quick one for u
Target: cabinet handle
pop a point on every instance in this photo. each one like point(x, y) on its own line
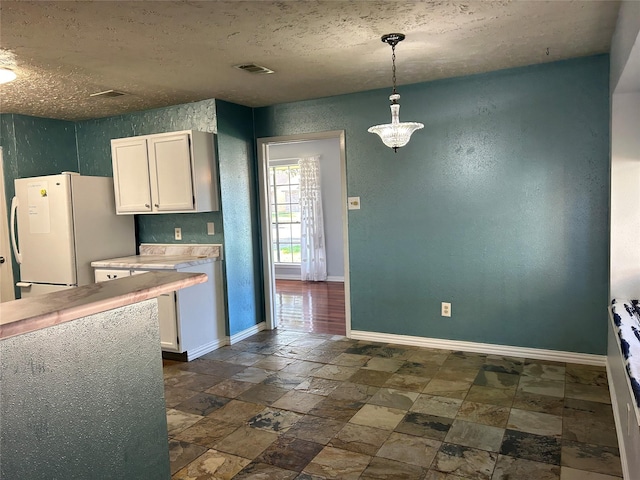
point(156, 205)
point(147, 205)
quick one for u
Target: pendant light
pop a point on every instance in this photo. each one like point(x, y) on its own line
point(395, 134)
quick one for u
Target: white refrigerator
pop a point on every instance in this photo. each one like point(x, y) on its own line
point(64, 222)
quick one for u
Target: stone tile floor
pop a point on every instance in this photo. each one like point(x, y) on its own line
point(288, 405)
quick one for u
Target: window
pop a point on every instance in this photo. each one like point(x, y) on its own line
point(284, 186)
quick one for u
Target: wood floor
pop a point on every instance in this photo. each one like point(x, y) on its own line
point(316, 307)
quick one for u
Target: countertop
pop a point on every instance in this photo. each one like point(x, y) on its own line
point(30, 314)
point(153, 262)
point(165, 257)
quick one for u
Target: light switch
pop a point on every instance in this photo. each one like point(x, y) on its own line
point(210, 228)
point(354, 203)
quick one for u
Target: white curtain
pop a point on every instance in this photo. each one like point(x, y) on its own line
point(313, 266)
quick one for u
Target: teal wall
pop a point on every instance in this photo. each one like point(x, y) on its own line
point(235, 226)
point(499, 206)
point(36, 146)
point(31, 147)
point(238, 187)
point(84, 399)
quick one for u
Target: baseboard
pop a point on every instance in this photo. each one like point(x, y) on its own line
point(284, 276)
point(491, 349)
point(236, 337)
point(331, 278)
point(206, 348)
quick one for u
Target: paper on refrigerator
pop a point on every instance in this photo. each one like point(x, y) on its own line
point(38, 207)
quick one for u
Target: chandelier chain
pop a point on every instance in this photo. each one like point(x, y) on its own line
point(393, 68)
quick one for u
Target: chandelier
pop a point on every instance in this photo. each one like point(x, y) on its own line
point(395, 134)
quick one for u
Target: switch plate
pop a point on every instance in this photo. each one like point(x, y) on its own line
point(354, 203)
point(210, 228)
point(446, 309)
point(178, 233)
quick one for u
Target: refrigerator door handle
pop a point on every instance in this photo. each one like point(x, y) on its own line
point(14, 243)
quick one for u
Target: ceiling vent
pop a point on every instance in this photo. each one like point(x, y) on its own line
point(108, 94)
point(253, 68)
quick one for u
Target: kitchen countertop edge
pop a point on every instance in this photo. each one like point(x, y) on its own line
point(22, 316)
point(153, 262)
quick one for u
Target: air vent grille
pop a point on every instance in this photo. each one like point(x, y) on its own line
point(253, 68)
point(108, 94)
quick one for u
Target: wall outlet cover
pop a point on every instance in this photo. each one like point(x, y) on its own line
point(210, 228)
point(354, 203)
point(178, 233)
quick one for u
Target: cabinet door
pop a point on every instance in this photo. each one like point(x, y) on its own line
point(170, 169)
point(104, 274)
point(131, 175)
point(168, 322)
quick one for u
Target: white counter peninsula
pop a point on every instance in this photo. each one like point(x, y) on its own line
point(81, 392)
point(193, 320)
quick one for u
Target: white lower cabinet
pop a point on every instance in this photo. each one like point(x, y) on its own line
point(192, 320)
point(104, 274)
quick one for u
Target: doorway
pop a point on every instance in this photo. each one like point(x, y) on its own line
point(304, 306)
point(6, 268)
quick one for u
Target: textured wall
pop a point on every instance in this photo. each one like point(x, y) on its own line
point(8, 144)
point(94, 153)
point(33, 147)
point(58, 422)
point(236, 149)
point(500, 205)
point(36, 146)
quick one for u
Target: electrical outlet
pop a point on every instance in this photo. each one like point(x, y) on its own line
point(178, 233)
point(210, 228)
point(446, 309)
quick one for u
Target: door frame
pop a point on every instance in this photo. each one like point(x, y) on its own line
point(7, 291)
point(265, 222)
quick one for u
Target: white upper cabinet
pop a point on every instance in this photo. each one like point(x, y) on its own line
point(165, 173)
point(131, 175)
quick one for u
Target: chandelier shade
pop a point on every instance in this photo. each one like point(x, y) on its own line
point(395, 134)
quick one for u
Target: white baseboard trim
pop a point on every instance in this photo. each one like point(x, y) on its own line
point(280, 276)
point(236, 337)
point(491, 349)
point(206, 348)
point(283, 276)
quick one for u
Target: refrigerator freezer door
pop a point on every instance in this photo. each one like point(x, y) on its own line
point(33, 289)
point(99, 233)
point(45, 230)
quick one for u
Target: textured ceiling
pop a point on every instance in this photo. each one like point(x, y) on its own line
point(168, 52)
